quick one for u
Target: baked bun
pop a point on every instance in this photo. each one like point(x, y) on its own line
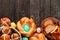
point(37, 36)
point(26, 26)
point(51, 28)
point(5, 21)
point(15, 36)
point(5, 37)
point(6, 30)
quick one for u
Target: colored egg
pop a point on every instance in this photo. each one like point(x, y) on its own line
point(13, 25)
point(26, 27)
point(24, 38)
point(38, 30)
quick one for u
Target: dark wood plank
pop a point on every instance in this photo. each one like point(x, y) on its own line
point(44, 9)
point(12, 10)
point(54, 8)
point(41, 10)
point(58, 8)
point(7, 9)
point(35, 10)
point(22, 8)
point(1, 1)
point(4, 8)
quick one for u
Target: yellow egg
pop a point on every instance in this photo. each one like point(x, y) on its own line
point(13, 25)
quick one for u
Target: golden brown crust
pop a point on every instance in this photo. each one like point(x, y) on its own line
point(51, 25)
point(5, 37)
point(15, 36)
point(6, 30)
point(49, 20)
point(37, 36)
point(23, 21)
point(5, 21)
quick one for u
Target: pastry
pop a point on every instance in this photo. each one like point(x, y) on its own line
point(51, 28)
point(5, 21)
point(5, 37)
point(15, 36)
point(26, 26)
point(6, 30)
point(37, 36)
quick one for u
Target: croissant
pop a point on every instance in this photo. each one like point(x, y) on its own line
point(26, 26)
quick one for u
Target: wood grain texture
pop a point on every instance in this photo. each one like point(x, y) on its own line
point(7, 9)
point(22, 9)
point(45, 9)
point(36, 9)
point(54, 8)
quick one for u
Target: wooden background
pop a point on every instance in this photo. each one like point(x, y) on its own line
point(36, 9)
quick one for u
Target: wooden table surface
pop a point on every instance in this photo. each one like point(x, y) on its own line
point(36, 9)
